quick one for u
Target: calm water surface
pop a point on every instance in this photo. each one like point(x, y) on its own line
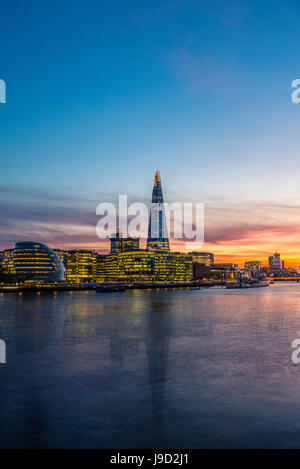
point(164, 369)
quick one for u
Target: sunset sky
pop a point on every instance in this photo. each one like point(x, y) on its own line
point(101, 94)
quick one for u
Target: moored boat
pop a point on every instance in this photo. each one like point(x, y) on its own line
point(253, 283)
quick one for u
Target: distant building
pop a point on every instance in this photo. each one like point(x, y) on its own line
point(37, 262)
point(205, 258)
point(218, 272)
point(224, 272)
point(253, 266)
point(282, 265)
point(226, 265)
point(201, 271)
point(81, 266)
point(148, 266)
point(157, 239)
point(120, 244)
point(274, 261)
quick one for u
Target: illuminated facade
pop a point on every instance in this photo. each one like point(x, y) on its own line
point(7, 263)
point(253, 266)
point(81, 266)
point(224, 272)
point(37, 262)
point(120, 244)
point(157, 231)
point(274, 261)
point(205, 258)
point(148, 266)
point(100, 269)
point(63, 255)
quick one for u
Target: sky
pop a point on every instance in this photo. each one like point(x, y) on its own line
point(101, 94)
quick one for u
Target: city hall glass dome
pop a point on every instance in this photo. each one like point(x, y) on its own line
point(36, 261)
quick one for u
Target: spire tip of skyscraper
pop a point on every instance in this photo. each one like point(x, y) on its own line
point(157, 177)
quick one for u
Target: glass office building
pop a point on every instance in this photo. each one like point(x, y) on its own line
point(7, 261)
point(205, 258)
point(148, 266)
point(157, 231)
point(81, 266)
point(274, 261)
point(252, 266)
point(37, 262)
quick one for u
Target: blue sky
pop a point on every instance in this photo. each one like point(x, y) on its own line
point(101, 94)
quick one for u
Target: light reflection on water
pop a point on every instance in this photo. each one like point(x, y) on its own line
point(194, 369)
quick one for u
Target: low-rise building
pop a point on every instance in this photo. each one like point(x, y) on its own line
point(148, 266)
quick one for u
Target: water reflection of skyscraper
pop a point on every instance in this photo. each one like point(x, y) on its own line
point(157, 349)
point(145, 328)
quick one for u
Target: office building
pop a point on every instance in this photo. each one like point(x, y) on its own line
point(158, 238)
point(148, 266)
point(252, 266)
point(99, 275)
point(36, 262)
point(63, 255)
point(81, 266)
point(274, 261)
point(120, 244)
point(226, 265)
point(205, 258)
point(6, 261)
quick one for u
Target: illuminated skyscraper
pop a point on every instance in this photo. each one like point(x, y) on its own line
point(274, 261)
point(158, 239)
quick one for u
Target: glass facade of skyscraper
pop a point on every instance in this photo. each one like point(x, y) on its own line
point(157, 231)
point(274, 261)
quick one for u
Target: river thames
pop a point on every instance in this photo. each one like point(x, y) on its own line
point(206, 368)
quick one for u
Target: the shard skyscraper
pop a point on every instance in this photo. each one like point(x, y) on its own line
point(158, 238)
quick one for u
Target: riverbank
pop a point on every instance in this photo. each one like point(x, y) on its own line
point(94, 286)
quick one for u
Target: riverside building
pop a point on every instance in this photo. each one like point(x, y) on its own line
point(36, 262)
point(120, 244)
point(81, 266)
point(158, 239)
point(148, 266)
point(205, 258)
point(252, 266)
point(7, 262)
